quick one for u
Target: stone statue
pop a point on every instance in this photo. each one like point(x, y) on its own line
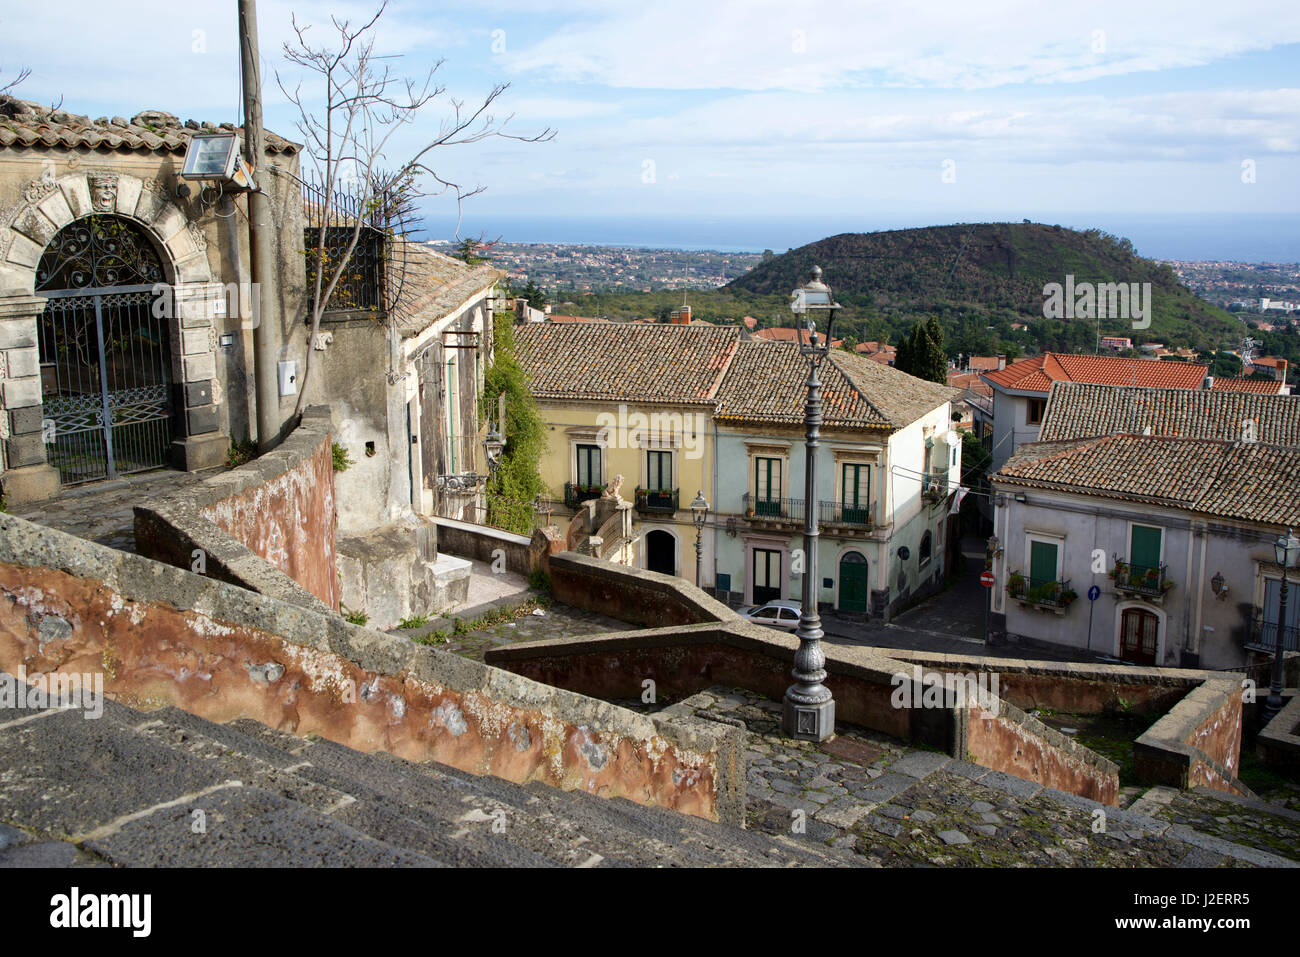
point(611, 490)
point(103, 191)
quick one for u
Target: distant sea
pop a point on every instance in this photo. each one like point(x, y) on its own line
point(1213, 236)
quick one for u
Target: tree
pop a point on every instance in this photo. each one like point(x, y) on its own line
point(364, 106)
point(921, 353)
point(534, 294)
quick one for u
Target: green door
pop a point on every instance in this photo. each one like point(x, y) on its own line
point(855, 490)
point(854, 589)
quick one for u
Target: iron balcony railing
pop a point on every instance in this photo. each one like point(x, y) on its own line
point(839, 513)
point(1262, 636)
point(1141, 579)
point(773, 509)
point(1039, 591)
point(662, 500)
point(575, 494)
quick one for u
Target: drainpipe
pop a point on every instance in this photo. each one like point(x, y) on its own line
point(261, 254)
point(715, 504)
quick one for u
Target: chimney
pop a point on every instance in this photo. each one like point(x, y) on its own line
point(1002, 362)
point(1207, 382)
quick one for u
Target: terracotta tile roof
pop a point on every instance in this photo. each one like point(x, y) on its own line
point(1272, 362)
point(1078, 410)
point(433, 285)
point(1262, 386)
point(787, 334)
point(554, 318)
point(767, 383)
point(983, 363)
point(625, 361)
point(1250, 481)
point(1038, 374)
point(970, 381)
point(24, 123)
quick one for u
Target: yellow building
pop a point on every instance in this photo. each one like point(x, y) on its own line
point(635, 401)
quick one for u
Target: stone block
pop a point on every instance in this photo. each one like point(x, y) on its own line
point(76, 194)
point(202, 420)
point(194, 269)
point(170, 222)
point(149, 207)
point(35, 483)
point(195, 341)
point(197, 393)
point(24, 450)
point(35, 227)
point(200, 368)
point(18, 333)
point(21, 363)
point(25, 420)
point(24, 252)
point(200, 452)
point(55, 207)
point(20, 393)
point(129, 190)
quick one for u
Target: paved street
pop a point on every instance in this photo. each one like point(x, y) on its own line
point(102, 511)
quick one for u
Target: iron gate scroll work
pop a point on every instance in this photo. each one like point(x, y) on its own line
point(105, 355)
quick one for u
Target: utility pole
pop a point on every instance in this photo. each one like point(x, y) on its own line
point(261, 255)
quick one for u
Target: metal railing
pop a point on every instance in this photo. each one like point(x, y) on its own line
point(773, 509)
point(1262, 636)
point(575, 494)
point(1040, 591)
point(838, 513)
point(1141, 579)
point(506, 514)
point(663, 500)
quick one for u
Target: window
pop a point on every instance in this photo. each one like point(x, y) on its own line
point(766, 613)
point(1144, 549)
point(588, 465)
point(1272, 606)
point(927, 548)
point(767, 486)
point(659, 471)
point(361, 285)
point(855, 490)
point(1042, 563)
point(1034, 411)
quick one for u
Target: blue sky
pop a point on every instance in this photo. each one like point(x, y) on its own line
point(844, 114)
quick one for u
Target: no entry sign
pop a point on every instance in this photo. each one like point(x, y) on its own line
point(986, 579)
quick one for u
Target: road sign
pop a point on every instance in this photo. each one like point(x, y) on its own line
point(1094, 593)
point(986, 579)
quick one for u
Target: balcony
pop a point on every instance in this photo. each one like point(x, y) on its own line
point(934, 487)
point(773, 511)
point(656, 501)
point(1262, 636)
point(1041, 593)
point(1144, 580)
point(837, 513)
point(575, 494)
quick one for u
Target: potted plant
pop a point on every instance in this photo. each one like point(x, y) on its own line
point(1016, 584)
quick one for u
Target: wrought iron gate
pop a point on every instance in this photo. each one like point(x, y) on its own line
point(105, 355)
point(106, 383)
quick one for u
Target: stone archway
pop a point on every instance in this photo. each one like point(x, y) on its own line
point(49, 204)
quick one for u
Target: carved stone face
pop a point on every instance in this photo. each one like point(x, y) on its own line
point(103, 192)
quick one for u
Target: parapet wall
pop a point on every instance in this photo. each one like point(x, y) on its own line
point(268, 525)
point(631, 594)
point(165, 636)
point(483, 543)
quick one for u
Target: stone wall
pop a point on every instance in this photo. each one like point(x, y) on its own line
point(632, 594)
point(278, 508)
point(1199, 741)
point(165, 636)
point(482, 543)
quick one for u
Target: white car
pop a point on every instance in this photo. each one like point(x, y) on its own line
point(775, 614)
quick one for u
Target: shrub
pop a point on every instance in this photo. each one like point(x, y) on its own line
point(341, 459)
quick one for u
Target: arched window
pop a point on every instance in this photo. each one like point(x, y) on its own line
point(98, 251)
point(925, 550)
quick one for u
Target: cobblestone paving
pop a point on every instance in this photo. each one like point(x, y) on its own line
point(1240, 820)
point(102, 511)
point(898, 806)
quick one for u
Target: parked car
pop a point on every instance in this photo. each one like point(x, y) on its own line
point(776, 614)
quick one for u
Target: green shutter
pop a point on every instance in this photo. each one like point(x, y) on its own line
point(1042, 562)
point(1144, 551)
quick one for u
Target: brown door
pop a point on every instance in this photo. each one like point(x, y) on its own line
point(1138, 631)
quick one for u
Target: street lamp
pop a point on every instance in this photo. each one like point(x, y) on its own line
point(808, 712)
point(1287, 552)
point(493, 445)
point(699, 512)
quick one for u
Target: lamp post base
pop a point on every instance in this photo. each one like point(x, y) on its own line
point(808, 722)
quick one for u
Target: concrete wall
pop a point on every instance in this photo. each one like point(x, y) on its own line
point(162, 635)
point(280, 507)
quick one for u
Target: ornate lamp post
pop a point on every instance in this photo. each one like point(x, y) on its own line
point(493, 444)
point(809, 709)
point(699, 513)
point(1287, 552)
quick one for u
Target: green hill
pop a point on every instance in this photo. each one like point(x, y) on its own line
point(990, 274)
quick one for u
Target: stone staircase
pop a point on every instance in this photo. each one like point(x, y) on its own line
point(167, 788)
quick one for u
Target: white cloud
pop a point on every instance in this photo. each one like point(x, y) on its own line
point(819, 44)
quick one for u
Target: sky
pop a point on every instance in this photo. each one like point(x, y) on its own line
point(768, 124)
